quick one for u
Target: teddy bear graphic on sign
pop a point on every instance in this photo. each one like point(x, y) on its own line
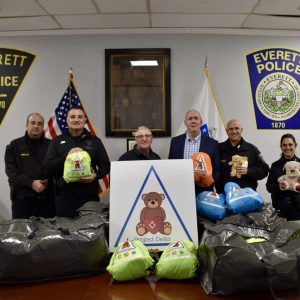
point(236, 161)
point(153, 216)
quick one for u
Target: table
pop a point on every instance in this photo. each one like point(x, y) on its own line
point(102, 287)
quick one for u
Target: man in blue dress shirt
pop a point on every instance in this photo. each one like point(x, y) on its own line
point(183, 146)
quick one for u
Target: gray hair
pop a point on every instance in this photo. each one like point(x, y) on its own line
point(142, 128)
point(192, 110)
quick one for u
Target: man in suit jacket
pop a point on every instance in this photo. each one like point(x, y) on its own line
point(183, 146)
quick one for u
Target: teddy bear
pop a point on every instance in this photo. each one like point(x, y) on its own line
point(236, 161)
point(291, 180)
point(152, 216)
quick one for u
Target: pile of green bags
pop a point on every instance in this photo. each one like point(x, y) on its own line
point(131, 260)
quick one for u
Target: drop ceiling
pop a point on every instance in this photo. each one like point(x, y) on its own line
point(32, 17)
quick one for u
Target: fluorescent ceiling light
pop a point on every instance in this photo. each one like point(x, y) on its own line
point(139, 63)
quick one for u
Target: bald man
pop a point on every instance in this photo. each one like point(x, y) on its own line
point(256, 169)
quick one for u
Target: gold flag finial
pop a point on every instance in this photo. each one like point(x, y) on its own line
point(71, 73)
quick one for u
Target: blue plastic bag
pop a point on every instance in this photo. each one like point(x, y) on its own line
point(242, 200)
point(211, 205)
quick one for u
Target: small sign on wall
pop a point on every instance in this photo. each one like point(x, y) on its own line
point(152, 201)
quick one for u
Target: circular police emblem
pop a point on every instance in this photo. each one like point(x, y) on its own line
point(278, 96)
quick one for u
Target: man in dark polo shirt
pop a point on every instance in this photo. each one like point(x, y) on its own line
point(142, 150)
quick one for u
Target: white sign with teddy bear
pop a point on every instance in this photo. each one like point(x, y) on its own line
point(152, 201)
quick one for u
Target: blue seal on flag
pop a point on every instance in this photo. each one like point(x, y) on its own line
point(274, 75)
point(204, 130)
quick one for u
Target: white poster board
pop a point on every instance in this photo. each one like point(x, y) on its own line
point(152, 201)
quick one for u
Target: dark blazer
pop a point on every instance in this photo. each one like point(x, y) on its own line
point(207, 145)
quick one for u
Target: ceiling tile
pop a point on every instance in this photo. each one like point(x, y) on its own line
point(198, 20)
point(135, 14)
point(14, 8)
point(104, 21)
point(121, 6)
point(202, 6)
point(66, 7)
point(268, 22)
point(278, 7)
point(28, 23)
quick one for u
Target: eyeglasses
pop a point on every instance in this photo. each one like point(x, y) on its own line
point(146, 136)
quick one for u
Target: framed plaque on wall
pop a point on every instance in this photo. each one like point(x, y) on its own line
point(137, 91)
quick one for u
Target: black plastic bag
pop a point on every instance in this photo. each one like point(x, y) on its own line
point(237, 257)
point(41, 249)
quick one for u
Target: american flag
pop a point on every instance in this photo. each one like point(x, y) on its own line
point(58, 122)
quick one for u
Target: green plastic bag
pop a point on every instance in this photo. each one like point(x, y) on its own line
point(130, 261)
point(178, 261)
point(77, 165)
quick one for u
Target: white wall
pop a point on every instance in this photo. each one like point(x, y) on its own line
point(47, 80)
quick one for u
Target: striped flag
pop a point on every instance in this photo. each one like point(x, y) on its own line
point(58, 121)
point(207, 104)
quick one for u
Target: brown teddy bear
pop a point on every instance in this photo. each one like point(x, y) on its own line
point(291, 180)
point(152, 217)
point(237, 160)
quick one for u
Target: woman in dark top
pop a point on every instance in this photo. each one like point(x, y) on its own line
point(286, 201)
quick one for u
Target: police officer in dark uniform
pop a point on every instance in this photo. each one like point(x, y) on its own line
point(31, 191)
point(286, 201)
point(255, 169)
point(71, 196)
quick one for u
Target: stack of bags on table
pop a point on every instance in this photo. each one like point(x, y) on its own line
point(132, 260)
point(250, 251)
point(235, 200)
point(215, 206)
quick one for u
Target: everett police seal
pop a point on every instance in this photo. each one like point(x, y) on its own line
point(274, 76)
point(278, 96)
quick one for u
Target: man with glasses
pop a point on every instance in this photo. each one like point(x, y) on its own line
point(142, 150)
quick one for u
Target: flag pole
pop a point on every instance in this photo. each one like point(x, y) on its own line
point(213, 91)
point(70, 87)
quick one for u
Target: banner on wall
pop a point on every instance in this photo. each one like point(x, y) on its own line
point(14, 65)
point(274, 75)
